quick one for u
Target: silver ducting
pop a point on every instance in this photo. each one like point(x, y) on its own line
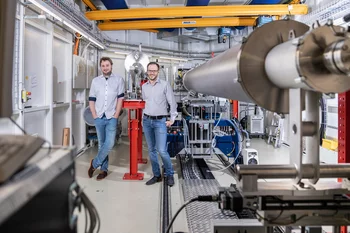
point(274, 58)
point(217, 77)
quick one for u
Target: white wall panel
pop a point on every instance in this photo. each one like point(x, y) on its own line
point(60, 67)
point(34, 123)
point(78, 127)
point(35, 69)
point(60, 121)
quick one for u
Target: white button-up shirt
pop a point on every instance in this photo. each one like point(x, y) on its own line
point(106, 92)
point(157, 98)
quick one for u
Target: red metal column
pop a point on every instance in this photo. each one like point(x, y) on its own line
point(135, 136)
point(139, 154)
point(235, 109)
point(344, 132)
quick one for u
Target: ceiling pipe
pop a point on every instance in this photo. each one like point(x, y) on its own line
point(130, 47)
point(114, 43)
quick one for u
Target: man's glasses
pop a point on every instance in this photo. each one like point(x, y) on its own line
point(152, 71)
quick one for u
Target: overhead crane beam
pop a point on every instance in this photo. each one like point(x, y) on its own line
point(92, 6)
point(177, 23)
point(198, 11)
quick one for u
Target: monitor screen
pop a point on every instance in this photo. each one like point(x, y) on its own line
point(7, 32)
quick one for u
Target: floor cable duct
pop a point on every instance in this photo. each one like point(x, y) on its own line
point(198, 181)
point(165, 206)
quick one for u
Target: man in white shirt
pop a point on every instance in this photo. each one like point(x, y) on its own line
point(105, 101)
point(158, 94)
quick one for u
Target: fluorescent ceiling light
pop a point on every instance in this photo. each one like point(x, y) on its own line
point(75, 29)
point(96, 43)
point(44, 8)
point(124, 53)
point(174, 58)
point(84, 35)
point(339, 21)
point(40, 4)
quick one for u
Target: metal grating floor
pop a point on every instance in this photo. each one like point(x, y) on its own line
point(200, 214)
point(190, 168)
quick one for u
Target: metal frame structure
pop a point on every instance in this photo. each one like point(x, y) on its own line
point(343, 132)
point(297, 84)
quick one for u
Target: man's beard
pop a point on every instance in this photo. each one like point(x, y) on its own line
point(107, 74)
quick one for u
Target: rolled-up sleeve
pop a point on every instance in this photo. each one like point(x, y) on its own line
point(92, 93)
point(121, 89)
point(171, 101)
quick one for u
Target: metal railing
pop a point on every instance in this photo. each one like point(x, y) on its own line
point(333, 10)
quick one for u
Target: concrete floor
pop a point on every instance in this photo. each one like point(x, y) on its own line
point(125, 206)
point(131, 206)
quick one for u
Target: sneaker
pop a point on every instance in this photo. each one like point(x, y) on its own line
point(91, 169)
point(102, 175)
point(170, 181)
point(154, 180)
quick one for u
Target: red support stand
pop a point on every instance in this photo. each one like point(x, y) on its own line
point(139, 153)
point(235, 109)
point(343, 133)
point(135, 136)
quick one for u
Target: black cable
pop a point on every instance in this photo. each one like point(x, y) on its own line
point(86, 219)
point(14, 122)
point(246, 110)
point(266, 219)
point(199, 198)
point(177, 213)
point(94, 216)
point(291, 222)
point(98, 219)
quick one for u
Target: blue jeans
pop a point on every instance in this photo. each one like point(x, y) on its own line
point(156, 136)
point(106, 133)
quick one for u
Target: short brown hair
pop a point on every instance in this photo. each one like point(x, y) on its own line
point(106, 59)
point(153, 63)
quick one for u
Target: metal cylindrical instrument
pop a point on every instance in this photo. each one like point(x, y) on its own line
point(275, 57)
point(219, 74)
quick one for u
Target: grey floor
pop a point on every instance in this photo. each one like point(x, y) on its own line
point(125, 206)
point(132, 207)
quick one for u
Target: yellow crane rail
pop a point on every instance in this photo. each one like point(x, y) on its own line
point(92, 6)
point(177, 23)
point(199, 11)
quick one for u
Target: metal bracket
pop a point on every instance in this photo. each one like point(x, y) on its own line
point(312, 140)
point(295, 122)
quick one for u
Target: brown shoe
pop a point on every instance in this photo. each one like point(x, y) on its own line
point(102, 175)
point(91, 169)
